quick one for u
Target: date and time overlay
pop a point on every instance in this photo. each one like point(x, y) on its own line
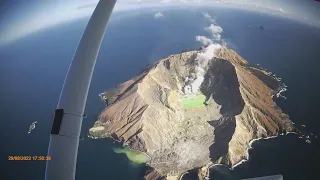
point(29, 158)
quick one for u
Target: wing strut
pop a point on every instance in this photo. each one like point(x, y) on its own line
point(65, 133)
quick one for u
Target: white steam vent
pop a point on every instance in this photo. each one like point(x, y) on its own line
point(210, 47)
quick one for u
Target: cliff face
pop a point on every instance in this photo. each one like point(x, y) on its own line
point(180, 131)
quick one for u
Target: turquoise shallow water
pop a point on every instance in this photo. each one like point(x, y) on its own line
point(33, 70)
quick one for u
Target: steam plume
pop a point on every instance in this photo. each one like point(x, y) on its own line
point(208, 17)
point(215, 31)
point(204, 40)
point(209, 50)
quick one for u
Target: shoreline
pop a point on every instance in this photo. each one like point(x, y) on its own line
point(181, 175)
point(247, 158)
point(122, 145)
point(255, 140)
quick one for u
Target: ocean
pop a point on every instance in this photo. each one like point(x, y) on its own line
point(33, 70)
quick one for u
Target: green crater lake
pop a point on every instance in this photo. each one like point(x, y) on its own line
point(194, 101)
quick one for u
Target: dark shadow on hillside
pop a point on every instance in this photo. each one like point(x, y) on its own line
point(224, 129)
point(221, 83)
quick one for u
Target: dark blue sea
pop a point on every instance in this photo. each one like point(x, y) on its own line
point(33, 69)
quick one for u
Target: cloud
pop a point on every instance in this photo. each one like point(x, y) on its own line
point(40, 17)
point(165, 1)
point(158, 15)
point(90, 5)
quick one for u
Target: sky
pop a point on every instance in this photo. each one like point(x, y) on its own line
point(20, 18)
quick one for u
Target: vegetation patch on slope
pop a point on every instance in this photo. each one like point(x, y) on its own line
point(96, 131)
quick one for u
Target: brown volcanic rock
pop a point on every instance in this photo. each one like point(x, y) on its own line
point(147, 113)
point(260, 117)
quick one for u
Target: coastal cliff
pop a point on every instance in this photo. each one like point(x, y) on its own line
point(180, 129)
